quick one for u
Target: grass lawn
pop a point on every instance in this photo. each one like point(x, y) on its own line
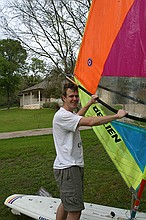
point(26, 165)
point(20, 119)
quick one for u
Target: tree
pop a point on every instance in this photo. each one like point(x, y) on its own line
point(51, 29)
point(55, 80)
point(12, 59)
point(33, 73)
point(38, 67)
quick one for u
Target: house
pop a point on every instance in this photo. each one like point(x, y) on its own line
point(35, 96)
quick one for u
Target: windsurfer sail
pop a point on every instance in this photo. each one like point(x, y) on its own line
point(113, 50)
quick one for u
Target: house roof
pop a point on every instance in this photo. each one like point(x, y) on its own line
point(40, 86)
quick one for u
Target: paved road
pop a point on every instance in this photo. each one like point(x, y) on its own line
point(28, 133)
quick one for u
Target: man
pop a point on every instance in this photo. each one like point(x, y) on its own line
point(69, 164)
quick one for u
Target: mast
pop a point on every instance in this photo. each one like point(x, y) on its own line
point(137, 200)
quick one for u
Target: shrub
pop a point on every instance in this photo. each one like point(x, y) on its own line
point(52, 105)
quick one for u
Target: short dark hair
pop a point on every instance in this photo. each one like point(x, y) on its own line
point(71, 86)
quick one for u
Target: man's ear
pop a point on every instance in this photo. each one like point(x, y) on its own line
point(63, 98)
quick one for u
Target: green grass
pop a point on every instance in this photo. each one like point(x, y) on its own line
point(26, 165)
point(20, 119)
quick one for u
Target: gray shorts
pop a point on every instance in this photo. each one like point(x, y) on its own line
point(70, 184)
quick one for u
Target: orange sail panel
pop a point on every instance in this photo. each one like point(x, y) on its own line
point(100, 33)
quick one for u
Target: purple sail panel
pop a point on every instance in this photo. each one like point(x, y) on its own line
point(127, 56)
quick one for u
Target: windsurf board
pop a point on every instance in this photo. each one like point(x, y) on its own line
point(44, 208)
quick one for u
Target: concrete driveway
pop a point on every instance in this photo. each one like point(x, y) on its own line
point(35, 132)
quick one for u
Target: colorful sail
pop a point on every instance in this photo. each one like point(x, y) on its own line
point(112, 57)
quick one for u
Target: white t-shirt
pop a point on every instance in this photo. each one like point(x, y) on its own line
point(67, 140)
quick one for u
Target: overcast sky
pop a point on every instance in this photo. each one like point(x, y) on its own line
point(2, 3)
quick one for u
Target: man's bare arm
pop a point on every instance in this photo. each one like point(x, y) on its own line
point(99, 120)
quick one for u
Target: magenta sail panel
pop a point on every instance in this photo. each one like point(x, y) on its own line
point(127, 56)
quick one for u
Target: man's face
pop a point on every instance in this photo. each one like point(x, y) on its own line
point(71, 100)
